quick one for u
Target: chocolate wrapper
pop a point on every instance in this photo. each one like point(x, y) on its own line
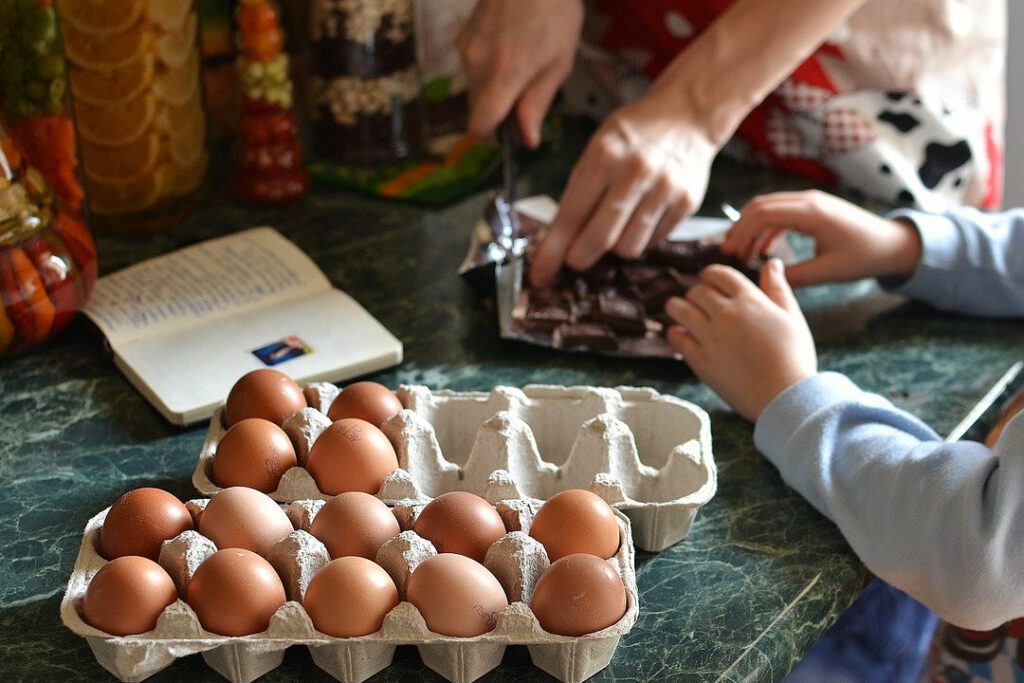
point(617, 307)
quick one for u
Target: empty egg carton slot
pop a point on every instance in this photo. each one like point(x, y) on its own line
point(648, 454)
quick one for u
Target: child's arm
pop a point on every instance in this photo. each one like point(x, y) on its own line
point(964, 261)
point(944, 522)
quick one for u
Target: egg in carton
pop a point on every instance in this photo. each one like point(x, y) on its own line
point(517, 560)
point(648, 454)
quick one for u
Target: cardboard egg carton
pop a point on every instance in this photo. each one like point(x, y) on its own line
point(647, 454)
point(517, 560)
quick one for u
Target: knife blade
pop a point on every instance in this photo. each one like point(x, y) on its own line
point(1000, 388)
point(508, 233)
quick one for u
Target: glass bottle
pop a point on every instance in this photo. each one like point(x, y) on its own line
point(365, 85)
point(134, 77)
point(47, 255)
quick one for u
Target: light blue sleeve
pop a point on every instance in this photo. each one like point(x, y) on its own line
point(971, 262)
point(942, 521)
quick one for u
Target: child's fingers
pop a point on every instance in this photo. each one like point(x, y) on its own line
point(727, 280)
point(772, 212)
point(762, 244)
point(684, 342)
point(688, 315)
point(824, 268)
point(707, 298)
point(774, 285)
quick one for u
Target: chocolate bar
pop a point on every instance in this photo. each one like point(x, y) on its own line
point(683, 256)
point(547, 310)
point(588, 336)
point(668, 284)
point(622, 314)
point(615, 304)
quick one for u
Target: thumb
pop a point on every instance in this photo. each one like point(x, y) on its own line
point(774, 284)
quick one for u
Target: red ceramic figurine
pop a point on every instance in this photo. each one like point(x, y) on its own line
point(270, 168)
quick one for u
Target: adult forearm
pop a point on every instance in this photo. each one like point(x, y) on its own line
point(733, 65)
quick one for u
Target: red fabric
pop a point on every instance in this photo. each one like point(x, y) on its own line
point(643, 26)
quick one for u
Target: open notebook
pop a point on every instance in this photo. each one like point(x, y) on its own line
point(184, 326)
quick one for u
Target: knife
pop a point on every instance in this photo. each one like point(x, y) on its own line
point(1002, 387)
point(508, 231)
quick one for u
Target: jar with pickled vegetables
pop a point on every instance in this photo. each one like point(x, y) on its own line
point(134, 77)
point(33, 94)
point(47, 255)
point(269, 170)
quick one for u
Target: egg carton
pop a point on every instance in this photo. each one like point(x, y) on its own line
point(517, 560)
point(647, 454)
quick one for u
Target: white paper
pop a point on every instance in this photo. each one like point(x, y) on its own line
point(206, 281)
point(185, 326)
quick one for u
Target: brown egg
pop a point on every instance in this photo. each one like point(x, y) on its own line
point(140, 521)
point(254, 452)
point(576, 521)
point(460, 522)
point(240, 517)
point(577, 595)
point(354, 523)
point(268, 394)
point(127, 595)
point(457, 596)
point(351, 455)
point(235, 592)
point(350, 597)
point(368, 401)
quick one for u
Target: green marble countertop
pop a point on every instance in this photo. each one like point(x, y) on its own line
point(758, 580)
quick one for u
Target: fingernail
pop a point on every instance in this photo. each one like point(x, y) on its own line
point(776, 265)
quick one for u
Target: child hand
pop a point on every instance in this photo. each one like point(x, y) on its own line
point(849, 242)
point(747, 344)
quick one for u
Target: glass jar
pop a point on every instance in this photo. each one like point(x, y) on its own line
point(33, 95)
point(47, 255)
point(269, 167)
point(365, 89)
point(134, 77)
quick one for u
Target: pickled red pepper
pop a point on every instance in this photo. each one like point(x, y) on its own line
point(33, 86)
point(47, 256)
point(270, 166)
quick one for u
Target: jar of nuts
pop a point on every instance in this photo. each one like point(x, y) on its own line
point(365, 86)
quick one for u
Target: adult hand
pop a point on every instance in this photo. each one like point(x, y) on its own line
point(516, 54)
point(849, 242)
point(644, 170)
point(747, 344)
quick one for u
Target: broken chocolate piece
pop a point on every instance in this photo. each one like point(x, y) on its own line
point(589, 336)
point(622, 314)
point(545, 315)
point(584, 310)
point(670, 283)
point(637, 273)
point(683, 256)
point(600, 275)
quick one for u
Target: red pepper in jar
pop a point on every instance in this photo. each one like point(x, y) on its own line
point(25, 299)
point(59, 277)
point(270, 165)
